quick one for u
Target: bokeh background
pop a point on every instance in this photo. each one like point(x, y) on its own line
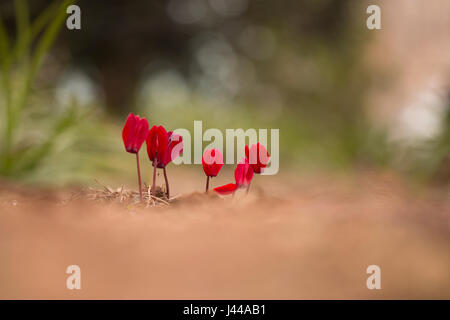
point(364, 120)
point(345, 98)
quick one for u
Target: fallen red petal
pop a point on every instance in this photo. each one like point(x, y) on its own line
point(226, 189)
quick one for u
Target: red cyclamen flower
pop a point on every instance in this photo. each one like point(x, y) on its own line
point(162, 148)
point(157, 143)
point(134, 133)
point(258, 156)
point(212, 162)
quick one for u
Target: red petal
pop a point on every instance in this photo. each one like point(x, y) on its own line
point(243, 174)
point(249, 175)
point(239, 174)
point(226, 189)
point(128, 132)
point(152, 141)
point(163, 142)
point(141, 133)
point(175, 148)
point(259, 157)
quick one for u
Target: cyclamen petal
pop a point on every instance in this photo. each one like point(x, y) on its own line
point(226, 189)
point(134, 133)
point(243, 173)
point(174, 149)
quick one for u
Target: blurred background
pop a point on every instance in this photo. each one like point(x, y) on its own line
point(345, 98)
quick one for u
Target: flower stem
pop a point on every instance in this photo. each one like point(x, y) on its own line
point(207, 183)
point(167, 183)
point(248, 188)
point(154, 178)
point(139, 176)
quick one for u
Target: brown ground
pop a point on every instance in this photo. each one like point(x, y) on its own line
point(303, 238)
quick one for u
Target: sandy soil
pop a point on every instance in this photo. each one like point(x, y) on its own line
point(300, 238)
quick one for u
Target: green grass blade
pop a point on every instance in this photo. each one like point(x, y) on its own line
point(23, 27)
point(4, 43)
point(42, 48)
point(36, 27)
point(49, 37)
